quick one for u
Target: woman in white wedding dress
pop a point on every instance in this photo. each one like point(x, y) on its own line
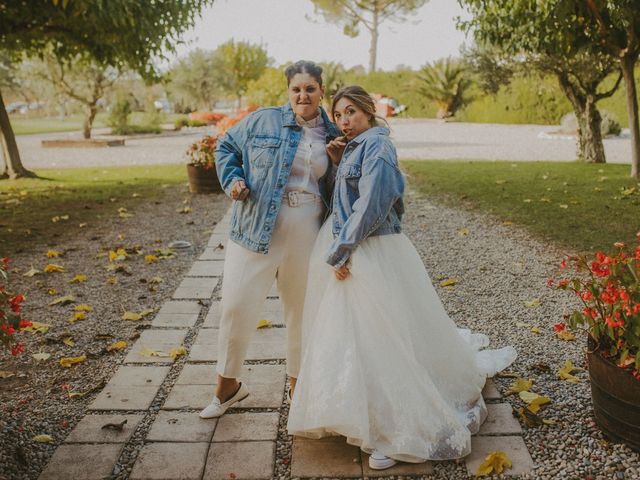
point(383, 364)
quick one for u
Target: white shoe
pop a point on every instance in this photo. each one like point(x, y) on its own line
point(216, 409)
point(377, 461)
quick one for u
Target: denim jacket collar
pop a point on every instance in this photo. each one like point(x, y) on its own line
point(369, 132)
point(289, 120)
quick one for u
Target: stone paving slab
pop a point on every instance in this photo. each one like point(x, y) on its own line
point(127, 375)
point(240, 460)
point(176, 320)
point(401, 468)
point(271, 311)
point(212, 253)
point(206, 269)
point(490, 391)
point(137, 397)
point(196, 288)
point(266, 344)
point(181, 427)
point(155, 339)
point(326, 457)
point(513, 446)
point(88, 462)
point(265, 382)
point(247, 426)
point(170, 461)
point(500, 420)
point(197, 374)
point(218, 238)
point(175, 306)
point(89, 429)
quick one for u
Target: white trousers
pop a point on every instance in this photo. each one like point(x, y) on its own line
point(248, 277)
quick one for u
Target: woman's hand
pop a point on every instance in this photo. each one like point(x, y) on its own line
point(335, 148)
point(239, 191)
point(342, 272)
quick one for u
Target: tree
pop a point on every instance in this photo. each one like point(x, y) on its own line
point(269, 89)
point(445, 82)
point(192, 80)
point(352, 14)
point(333, 79)
point(80, 78)
point(618, 33)
point(546, 35)
point(239, 63)
point(119, 33)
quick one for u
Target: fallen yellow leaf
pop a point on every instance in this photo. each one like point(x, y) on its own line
point(117, 346)
point(32, 272)
point(519, 385)
point(112, 280)
point(156, 280)
point(535, 329)
point(36, 327)
point(6, 374)
point(565, 335)
point(565, 372)
point(448, 282)
point(150, 258)
point(463, 232)
point(68, 341)
point(52, 291)
point(78, 279)
point(532, 303)
point(131, 316)
point(40, 356)
point(151, 352)
point(68, 361)
point(264, 323)
point(78, 316)
point(63, 300)
point(118, 255)
point(52, 267)
point(43, 438)
point(494, 462)
point(83, 307)
point(177, 352)
point(53, 253)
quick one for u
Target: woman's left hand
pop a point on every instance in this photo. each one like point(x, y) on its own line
point(342, 272)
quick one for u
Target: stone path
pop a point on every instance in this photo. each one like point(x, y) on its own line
point(161, 398)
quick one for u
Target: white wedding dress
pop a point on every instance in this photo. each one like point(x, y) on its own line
point(383, 364)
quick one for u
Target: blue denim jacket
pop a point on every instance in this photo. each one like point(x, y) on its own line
point(367, 198)
point(260, 150)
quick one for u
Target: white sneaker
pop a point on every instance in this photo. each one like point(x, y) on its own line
point(377, 461)
point(216, 409)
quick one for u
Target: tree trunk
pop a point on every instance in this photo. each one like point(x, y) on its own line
point(627, 64)
point(89, 117)
point(13, 167)
point(590, 146)
point(373, 47)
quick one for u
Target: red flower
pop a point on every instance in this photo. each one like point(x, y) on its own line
point(586, 295)
point(25, 323)
point(559, 327)
point(563, 263)
point(550, 282)
point(17, 349)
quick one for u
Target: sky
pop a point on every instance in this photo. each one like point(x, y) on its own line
point(283, 28)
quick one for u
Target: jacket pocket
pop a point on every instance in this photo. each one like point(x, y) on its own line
point(352, 171)
point(263, 151)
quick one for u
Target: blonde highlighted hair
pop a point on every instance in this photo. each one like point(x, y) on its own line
point(361, 98)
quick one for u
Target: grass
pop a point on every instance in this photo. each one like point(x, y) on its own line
point(31, 125)
point(580, 207)
point(28, 207)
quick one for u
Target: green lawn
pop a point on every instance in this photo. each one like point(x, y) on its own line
point(28, 207)
point(581, 207)
point(27, 126)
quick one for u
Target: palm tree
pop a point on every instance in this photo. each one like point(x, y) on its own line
point(445, 82)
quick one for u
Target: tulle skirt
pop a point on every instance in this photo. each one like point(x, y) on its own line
point(382, 362)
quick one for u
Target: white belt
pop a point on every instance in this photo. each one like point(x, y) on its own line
point(295, 199)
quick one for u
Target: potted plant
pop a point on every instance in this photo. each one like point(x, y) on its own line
point(201, 167)
point(608, 288)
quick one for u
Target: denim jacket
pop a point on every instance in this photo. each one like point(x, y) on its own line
point(367, 198)
point(260, 150)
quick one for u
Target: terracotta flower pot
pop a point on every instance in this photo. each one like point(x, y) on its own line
point(616, 400)
point(203, 180)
